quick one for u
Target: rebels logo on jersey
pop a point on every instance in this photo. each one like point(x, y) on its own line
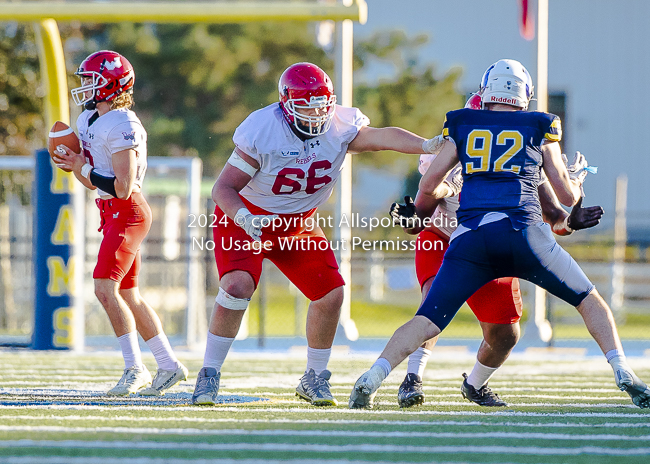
point(294, 175)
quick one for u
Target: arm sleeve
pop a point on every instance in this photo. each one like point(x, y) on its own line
point(552, 128)
point(105, 183)
point(125, 136)
point(448, 128)
point(350, 120)
point(244, 139)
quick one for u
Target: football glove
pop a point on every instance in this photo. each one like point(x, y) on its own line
point(455, 180)
point(584, 218)
point(434, 145)
point(577, 170)
point(253, 224)
point(405, 214)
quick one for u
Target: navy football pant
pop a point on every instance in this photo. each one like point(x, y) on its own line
point(496, 250)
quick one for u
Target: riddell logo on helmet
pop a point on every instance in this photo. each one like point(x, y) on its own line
point(506, 100)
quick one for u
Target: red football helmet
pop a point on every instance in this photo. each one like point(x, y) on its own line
point(307, 98)
point(474, 102)
point(109, 74)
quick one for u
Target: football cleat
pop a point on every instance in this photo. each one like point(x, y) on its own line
point(207, 387)
point(315, 389)
point(483, 396)
point(410, 392)
point(133, 379)
point(639, 392)
point(365, 389)
point(164, 380)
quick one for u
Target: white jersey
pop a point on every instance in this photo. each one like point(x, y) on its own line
point(447, 207)
point(110, 133)
point(294, 176)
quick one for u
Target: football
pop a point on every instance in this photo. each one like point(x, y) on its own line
point(62, 134)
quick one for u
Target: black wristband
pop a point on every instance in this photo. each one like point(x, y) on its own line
point(107, 184)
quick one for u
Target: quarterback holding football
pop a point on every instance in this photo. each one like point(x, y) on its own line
point(113, 161)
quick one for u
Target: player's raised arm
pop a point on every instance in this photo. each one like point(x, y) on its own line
point(567, 190)
point(388, 138)
point(432, 188)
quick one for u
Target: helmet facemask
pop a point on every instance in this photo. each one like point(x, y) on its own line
point(97, 81)
point(311, 118)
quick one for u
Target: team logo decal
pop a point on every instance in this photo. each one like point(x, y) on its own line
point(290, 153)
point(111, 65)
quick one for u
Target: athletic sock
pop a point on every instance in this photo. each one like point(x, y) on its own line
point(130, 350)
point(317, 359)
point(616, 359)
point(480, 375)
point(384, 366)
point(418, 361)
point(162, 351)
point(216, 350)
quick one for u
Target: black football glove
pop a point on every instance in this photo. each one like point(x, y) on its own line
point(404, 215)
point(584, 218)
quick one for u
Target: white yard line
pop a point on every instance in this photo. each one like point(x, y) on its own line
point(321, 433)
point(298, 447)
point(133, 460)
point(324, 411)
point(409, 423)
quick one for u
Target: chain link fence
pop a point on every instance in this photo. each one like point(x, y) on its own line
point(384, 289)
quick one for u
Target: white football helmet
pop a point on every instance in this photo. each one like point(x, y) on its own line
point(507, 82)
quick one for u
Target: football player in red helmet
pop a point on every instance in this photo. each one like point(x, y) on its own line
point(104, 76)
point(114, 161)
point(307, 99)
point(286, 161)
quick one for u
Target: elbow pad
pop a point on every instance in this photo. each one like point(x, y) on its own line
point(107, 184)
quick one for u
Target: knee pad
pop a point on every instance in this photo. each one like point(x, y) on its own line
point(230, 302)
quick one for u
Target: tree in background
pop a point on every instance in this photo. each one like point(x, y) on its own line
point(416, 100)
point(21, 104)
point(196, 83)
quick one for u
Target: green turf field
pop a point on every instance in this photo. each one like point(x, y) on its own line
point(562, 410)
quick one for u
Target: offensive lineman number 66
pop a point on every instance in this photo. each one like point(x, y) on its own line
point(282, 182)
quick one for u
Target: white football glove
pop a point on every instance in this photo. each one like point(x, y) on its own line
point(577, 169)
point(434, 145)
point(455, 180)
point(253, 224)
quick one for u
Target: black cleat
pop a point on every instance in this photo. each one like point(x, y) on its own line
point(410, 392)
point(483, 396)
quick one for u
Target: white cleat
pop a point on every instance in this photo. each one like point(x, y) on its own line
point(133, 379)
point(365, 389)
point(164, 380)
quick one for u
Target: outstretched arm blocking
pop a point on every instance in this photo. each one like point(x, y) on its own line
point(386, 138)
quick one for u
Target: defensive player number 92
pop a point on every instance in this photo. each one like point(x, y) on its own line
point(479, 145)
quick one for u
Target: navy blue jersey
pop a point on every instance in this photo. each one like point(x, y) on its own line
point(501, 156)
